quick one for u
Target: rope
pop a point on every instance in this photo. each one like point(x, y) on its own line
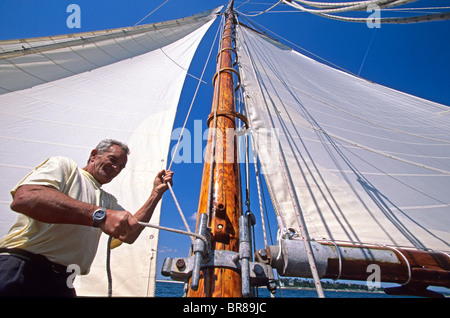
point(356, 6)
point(108, 266)
point(182, 131)
point(302, 227)
point(364, 5)
point(179, 209)
point(150, 13)
point(108, 249)
point(263, 223)
point(261, 27)
point(188, 232)
point(193, 99)
point(367, 52)
point(257, 14)
point(159, 227)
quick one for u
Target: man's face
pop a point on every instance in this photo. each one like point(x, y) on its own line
point(106, 166)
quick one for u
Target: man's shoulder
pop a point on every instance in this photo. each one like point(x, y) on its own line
point(58, 165)
point(61, 161)
point(53, 172)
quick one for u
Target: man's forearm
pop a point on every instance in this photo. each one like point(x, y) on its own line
point(48, 205)
point(144, 214)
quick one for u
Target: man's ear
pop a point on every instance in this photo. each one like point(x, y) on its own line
point(94, 154)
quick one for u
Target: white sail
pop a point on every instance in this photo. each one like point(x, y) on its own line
point(61, 95)
point(356, 161)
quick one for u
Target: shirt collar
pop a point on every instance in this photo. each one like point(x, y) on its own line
point(91, 177)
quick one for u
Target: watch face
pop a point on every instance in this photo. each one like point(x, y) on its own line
point(99, 215)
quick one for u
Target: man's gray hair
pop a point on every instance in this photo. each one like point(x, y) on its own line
point(105, 144)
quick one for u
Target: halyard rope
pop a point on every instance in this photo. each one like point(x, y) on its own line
point(188, 232)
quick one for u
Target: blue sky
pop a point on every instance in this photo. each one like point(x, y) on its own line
point(412, 58)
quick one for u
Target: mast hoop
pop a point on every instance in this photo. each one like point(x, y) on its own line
point(226, 49)
point(226, 113)
point(228, 69)
point(231, 37)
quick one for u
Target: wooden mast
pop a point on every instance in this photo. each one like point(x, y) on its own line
point(220, 195)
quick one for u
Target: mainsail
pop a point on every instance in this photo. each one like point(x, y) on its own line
point(358, 173)
point(61, 95)
point(359, 162)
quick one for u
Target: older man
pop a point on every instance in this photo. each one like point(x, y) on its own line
point(62, 212)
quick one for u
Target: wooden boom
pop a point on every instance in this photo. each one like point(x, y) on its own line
point(414, 270)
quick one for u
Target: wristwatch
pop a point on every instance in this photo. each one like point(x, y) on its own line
point(98, 216)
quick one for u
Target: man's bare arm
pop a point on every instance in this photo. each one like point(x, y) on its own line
point(48, 205)
point(144, 214)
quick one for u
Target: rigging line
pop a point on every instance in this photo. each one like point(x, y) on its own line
point(261, 197)
point(150, 13)
point(284, 127)
point(303, 49)
point(257, 14)
point(270, 187)
point(257, 177)
point(181, 134)
point(159, 227)
point(245, 3)
point(381, 3)
point(200, 80)
point(404, 10)
point(328, 4)
point(414, 19)
point(359, 7)
point(388, 128)
point(382, 153)
point(367, 52)
point(242, 4)
point(179, 210)
point(413, 9)
point(184, 69)
point(356, 7)
point(294, 145)
point(296, 206)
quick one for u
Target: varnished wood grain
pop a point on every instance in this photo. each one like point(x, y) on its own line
point(226, 198)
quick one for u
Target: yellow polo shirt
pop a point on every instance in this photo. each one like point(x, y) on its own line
point(64, 244)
